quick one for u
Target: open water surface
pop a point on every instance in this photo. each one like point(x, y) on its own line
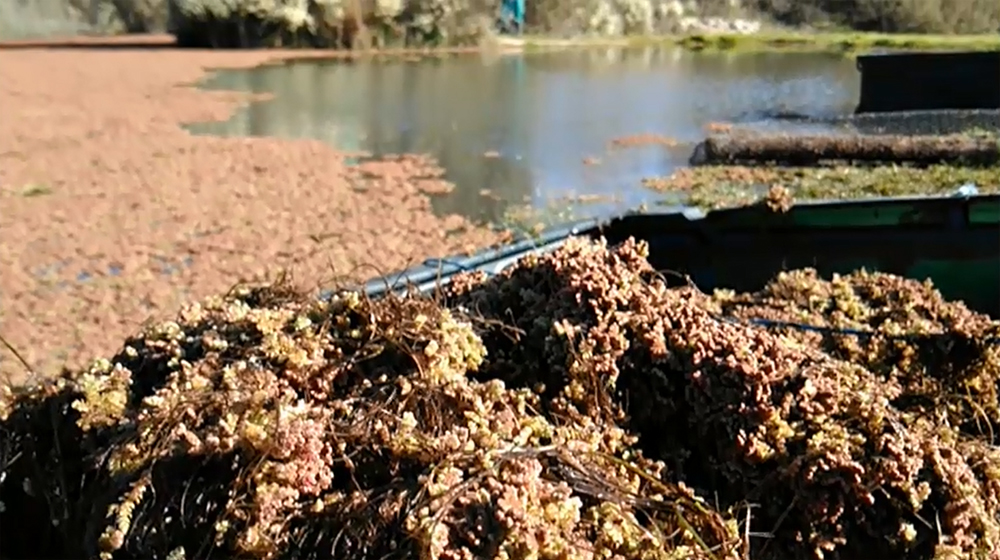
point(538, 129)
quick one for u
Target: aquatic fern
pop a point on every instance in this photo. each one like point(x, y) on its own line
point(105, 393)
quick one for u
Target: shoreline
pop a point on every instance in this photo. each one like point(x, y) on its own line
point(777, 41)
point(791, 40)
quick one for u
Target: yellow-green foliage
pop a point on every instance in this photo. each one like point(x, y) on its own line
point(573, 407)
point(313, 400)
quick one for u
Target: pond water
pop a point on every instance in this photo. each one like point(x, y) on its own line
point(539, 129)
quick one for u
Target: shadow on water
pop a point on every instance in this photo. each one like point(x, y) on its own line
point(538, 128)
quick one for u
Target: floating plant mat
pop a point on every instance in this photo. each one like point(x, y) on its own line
point(735, 185)
point(572, 407)
point(955, 149)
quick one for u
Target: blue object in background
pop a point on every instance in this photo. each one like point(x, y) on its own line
point(512, 16)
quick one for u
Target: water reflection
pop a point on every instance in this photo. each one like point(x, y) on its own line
point(516, 128)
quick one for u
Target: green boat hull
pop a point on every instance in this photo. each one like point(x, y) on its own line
point(953, 241)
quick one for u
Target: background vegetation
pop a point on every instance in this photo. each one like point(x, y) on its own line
point(49, 18)
point(42, 18)
point(893, 16)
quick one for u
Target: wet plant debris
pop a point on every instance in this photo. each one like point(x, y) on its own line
point(726, 186)
point(574, 406)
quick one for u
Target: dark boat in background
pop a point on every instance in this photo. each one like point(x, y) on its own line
point(929, 81)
